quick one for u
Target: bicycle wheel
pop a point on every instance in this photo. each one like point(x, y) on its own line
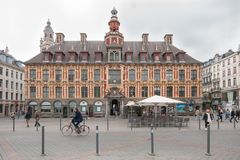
point(67, 130)
point(84, 130)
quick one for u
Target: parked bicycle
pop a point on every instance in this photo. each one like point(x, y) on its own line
point(83, 129)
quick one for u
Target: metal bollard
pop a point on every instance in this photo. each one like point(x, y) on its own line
point(43, 141)
point(107, 123)
point(152, 142)
point(208, 141)
point(199, 124)
point(60, 124)
point(218, 123)
point(13, 124)
point(97, 141)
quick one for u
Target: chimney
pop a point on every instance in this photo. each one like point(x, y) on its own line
point(83, 37)
point(168, 38)
point(59, 38)
point(145, 38)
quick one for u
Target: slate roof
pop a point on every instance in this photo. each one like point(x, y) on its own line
point(129, 46)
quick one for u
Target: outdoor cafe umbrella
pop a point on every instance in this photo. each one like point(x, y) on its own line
point(158, 100)
point(131, 104)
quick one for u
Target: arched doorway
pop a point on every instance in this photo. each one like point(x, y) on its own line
point(115, 107)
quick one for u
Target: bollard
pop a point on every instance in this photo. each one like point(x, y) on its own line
point(199, 123)
point(36, 127)
point(218, 123)
point(43, 142)
point(208, 141)
point(152, 142)
point(107, 123)
point(84, 121)
point(13, 124)
point(60, 124)
point(97, 141)
point(234, 122)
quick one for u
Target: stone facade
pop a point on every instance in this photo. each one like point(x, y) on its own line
point(11, 84)
point(100, 77)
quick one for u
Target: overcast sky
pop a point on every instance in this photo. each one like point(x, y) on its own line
point(202, 28)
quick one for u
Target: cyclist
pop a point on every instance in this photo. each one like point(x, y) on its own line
point(77, 118)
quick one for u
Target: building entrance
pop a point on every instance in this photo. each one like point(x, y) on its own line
point(115, 107)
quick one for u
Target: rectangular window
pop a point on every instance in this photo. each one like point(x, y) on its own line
point(229, 60)
point(144, 91)
point(84, 75)
point(6, 96)
point(129, 57)
point(21, 86)
point(71, 92)
point(181, 75)
point(58, 92)
point(58, 75)
point(11, 96)
point(96, 91)
point(194, 91)
point(32, 74)
point(71, 75)
point(132, 75)
point(169, 75)
point(181, 91)
point(224, 83)
point(21, 76)
point(157, 75)
point(16, 75)
point(45, 92)
point(11, 73)
point(11, 85)
point(223, 73)
point(144, 75)
point(229, 82)
point(169, 91)
point(1, 82)
point(96, 74)
point(234, 59)
point(157, 91)
point(131, 91)
point(1, 95)
point(114, 76)
point(234, 70)
point(234, 81)
point(45, 75)
point(193, 75)
point(21, 97)
point(16, 96)
point(6, 72)
point(1, 71)
point(32, 92)
point(84, 91)
point(6, 83)
point(16, 86)
point(229, 71)
point(1, 108)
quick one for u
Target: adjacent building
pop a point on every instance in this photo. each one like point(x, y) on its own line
point(100, 77)
point(11, 84)
point(221, 79)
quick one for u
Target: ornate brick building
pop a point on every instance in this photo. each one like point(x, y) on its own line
point(101, 76)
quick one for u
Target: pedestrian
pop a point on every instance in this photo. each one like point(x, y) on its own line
point(220, 113)
point(207, 117)
point(197, 113)
point(238, 114)
point(233, 116)
point(28, 116)
point(37, 118)
point(227, 114)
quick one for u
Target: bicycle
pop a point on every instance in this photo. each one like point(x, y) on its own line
point(83, 129)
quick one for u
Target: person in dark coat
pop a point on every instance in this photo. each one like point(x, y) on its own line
point(28, 116)
point(77, 118)
point(207, 117)
point(37, 118)
point(238, 114)
point(233, 114)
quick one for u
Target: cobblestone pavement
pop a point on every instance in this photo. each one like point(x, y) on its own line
point(119, 143)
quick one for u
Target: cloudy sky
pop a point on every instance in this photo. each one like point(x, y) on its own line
point(202, 28)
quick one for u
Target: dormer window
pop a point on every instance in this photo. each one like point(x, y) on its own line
point(143, 57)
point(114, 56)
point(156, 57)
point(180, 56)
point(98, 57)
point(129, 57)
point(59, 57)
point(72, 57)
point(84, 57)
point(167, 56)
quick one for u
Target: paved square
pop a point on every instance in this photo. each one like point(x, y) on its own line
point(119, 143)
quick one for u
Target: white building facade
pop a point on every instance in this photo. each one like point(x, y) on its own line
point(221, 80)
point(11, 84)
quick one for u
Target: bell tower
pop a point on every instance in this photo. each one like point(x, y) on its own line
point(48, 37)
